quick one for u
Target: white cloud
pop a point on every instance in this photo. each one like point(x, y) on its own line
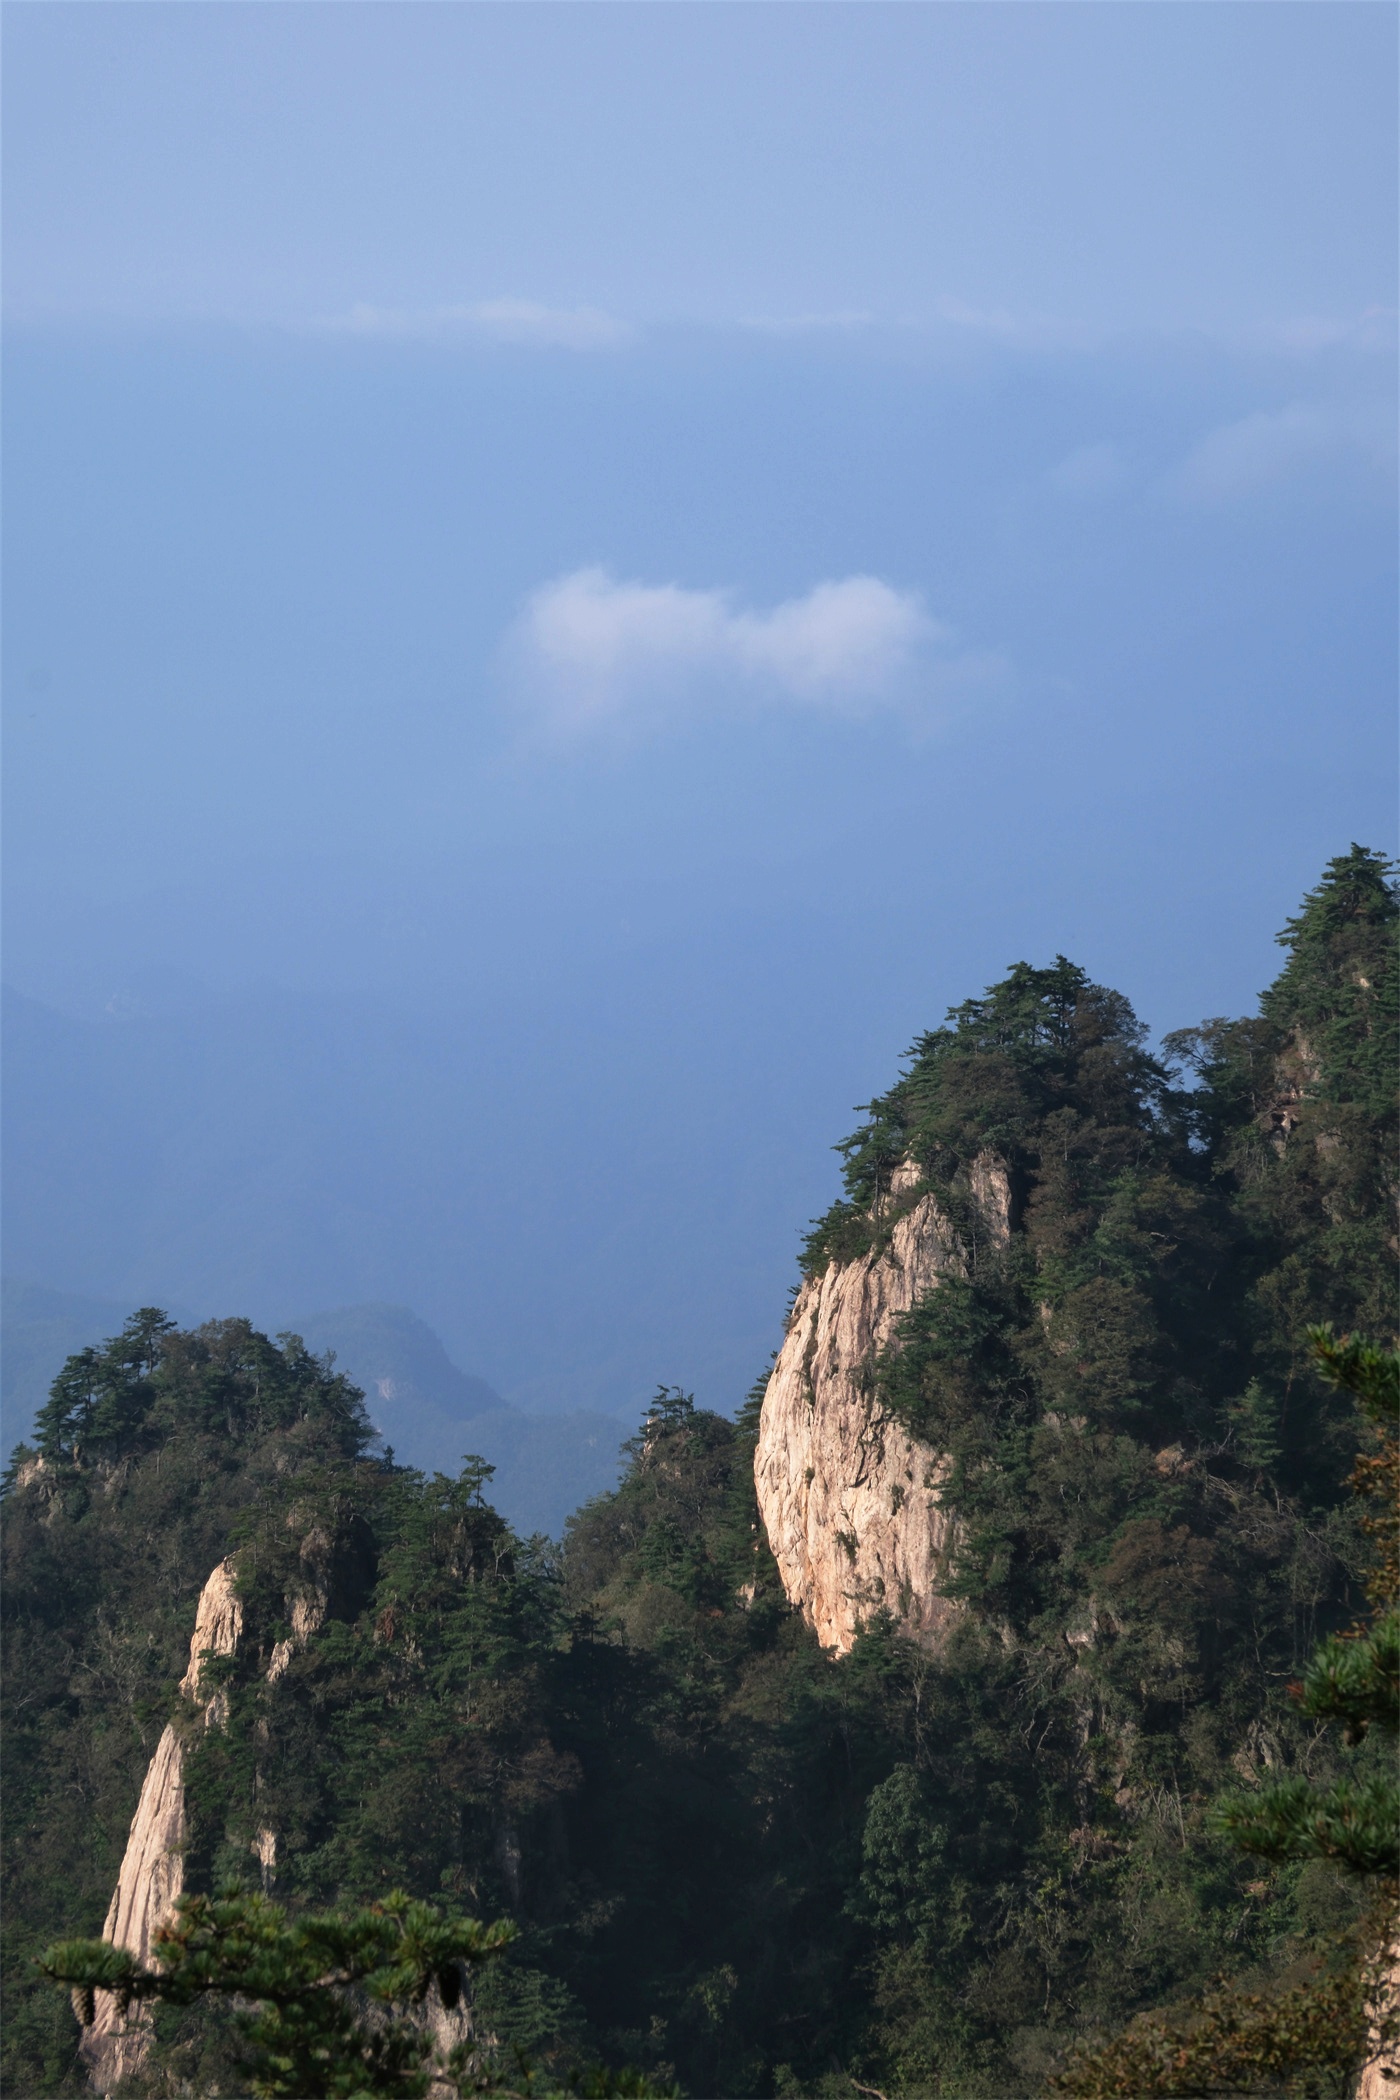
point(1264, 450)
point(498, 320)
point(807, 324)
point(1021, 331)
point(572, 328)
point(590, 651)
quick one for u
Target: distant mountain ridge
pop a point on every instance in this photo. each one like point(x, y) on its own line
point(902, 1734)
point(414, 1391)
point(434, 1414)
point(430, 1412)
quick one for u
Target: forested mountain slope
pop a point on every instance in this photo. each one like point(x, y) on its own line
point(422, 1405)
point(1052, 1264)
point(929, 1865)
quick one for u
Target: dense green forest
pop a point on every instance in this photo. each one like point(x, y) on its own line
point(733, 1861)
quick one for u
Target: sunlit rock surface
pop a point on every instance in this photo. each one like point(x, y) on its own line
point(850, 1500)
point(152, 1869)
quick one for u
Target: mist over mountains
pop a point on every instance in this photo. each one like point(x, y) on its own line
point(572, 1238)
point(431, 1414)
point(1014, 1559)
point(337, 982)
point(699, 1098)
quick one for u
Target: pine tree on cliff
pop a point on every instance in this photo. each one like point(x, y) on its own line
point(1354, 1677)
point(1317, 2035)
point(1298, 1110)
point(336, 2006)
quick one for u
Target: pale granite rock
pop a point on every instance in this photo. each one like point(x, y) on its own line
point(153, 1868)
point(850, 1500)
point(1380, 2076)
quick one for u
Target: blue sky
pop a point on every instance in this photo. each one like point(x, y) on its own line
point(575, 575)
point(1097, 166)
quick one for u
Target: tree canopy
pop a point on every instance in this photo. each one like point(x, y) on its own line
point(728, 1860)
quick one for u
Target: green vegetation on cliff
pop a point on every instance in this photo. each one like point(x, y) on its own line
point(728, 1858)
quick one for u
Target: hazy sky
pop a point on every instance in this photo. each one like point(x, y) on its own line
point(1098, 166)
point(576, 574)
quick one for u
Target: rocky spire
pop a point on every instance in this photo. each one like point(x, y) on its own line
point(850, 1500)
point(153, 1867)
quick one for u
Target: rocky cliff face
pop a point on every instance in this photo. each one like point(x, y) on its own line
point(1380, 2075)
point(849, 1499)
point(152, 1869)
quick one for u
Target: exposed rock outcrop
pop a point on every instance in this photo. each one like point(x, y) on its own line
point(332, 1573)
point(850, 1500)
point(308, 1615)
point(451, 2028)
point(152, 1869)
point(218, 1626)
point(1380, 2076)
